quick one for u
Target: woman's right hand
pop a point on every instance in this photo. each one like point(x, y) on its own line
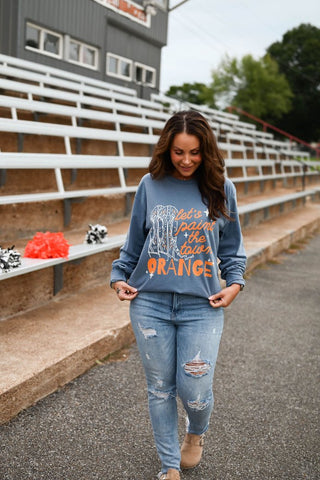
point(124, 291)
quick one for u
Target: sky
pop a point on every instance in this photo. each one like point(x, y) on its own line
point(201, 32)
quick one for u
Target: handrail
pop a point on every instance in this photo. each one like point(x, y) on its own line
point(276, 129)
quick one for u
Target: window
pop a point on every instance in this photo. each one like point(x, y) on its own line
point(51, 43)
point(150, 77)
point(112, 65)
point(82, 54)
point(145, 75)
point(89, 55)
point(122, 67)
point(32, 37)
point(119, 67)
point(46, 41)
point(74, 51)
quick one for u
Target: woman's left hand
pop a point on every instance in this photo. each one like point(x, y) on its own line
point(225, 297)
point(124, 291)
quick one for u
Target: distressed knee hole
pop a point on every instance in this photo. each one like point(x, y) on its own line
point(197, 367)
point(160, 394)
point(198, 404)
point(147, 332)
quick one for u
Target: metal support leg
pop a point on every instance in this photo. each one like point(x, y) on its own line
point(20, 141)
point(67, 211)
point(305, 168)
point(67, 208)
point(74, 173)
point(3, 177)
point(261, 186)
point(58, 278)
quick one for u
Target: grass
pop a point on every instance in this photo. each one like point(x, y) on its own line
point(117, 356)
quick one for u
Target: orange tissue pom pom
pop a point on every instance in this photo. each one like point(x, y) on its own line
point(47, 245)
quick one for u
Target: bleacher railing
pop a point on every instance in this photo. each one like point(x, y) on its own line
point(267, 125)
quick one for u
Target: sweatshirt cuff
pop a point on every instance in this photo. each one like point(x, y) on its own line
point(117, 277)
point(239, 281)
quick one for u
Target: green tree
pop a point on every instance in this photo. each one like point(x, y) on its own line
point(197, 93)
point(298, 57)
point(255, 86)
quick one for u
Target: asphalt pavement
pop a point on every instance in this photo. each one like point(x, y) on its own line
point(265, 424)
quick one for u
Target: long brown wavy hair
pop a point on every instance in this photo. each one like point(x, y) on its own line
point(209, 174)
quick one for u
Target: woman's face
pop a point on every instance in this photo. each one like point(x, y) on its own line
point(185, 155)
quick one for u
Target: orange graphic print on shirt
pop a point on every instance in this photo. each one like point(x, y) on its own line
point(179, 242)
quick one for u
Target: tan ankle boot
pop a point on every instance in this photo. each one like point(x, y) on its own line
point(191, 450)
point(172, 474)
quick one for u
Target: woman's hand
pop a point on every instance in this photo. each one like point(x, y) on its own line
point(225, 297)
point(124, 291)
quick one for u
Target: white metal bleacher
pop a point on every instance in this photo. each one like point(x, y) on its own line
point(112, 104)
point(77, 161)
point(57, 162)
point(86, 87)
point(12, 66)
point(268, 170)
point(119, 161)
point(76, 113)
point(91, 96)
point(38, 89)
point(76, 253)
point(68, 84)
point(234, 129)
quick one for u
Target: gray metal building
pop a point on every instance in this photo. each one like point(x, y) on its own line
point(117, 41)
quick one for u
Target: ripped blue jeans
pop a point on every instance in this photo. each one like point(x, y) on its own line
point(178, 337)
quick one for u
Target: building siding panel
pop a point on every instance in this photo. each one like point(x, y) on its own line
point(89, 22)
point(9, 27)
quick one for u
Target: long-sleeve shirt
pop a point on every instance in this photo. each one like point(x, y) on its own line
point(173, 245)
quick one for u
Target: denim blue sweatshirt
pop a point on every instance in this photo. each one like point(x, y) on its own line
point(172, 244)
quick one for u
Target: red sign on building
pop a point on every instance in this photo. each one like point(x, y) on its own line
point(127, 8)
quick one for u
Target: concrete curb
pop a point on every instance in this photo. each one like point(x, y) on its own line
point(47, 381)
point(267, 253)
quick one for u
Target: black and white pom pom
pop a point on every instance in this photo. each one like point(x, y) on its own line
point(96, 233)
point(9, 259)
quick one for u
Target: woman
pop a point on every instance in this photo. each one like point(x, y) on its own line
point(184, 218)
